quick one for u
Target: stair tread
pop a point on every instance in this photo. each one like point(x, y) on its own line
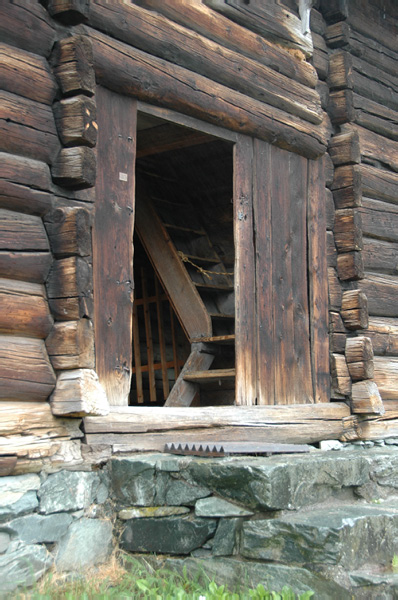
point(222, 315)
point(204, 259)
point(210, 375)
point(214, 287)
point(219, 339)
point(184, 229)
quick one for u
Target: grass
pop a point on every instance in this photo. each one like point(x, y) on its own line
point(130, 578)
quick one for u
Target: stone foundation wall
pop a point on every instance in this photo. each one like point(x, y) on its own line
point(326, 521)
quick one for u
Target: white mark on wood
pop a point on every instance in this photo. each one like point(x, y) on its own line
point(123, 176)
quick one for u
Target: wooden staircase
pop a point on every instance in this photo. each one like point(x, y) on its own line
point(201, 291)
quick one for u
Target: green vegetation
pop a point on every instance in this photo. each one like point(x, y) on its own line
point(394, 563)
point(140, 581)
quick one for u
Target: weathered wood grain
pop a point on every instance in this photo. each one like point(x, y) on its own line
point(69, 231)
point(354, 309)
point(27, 128)
point(25, 370)
point(366, 398)
point(183, 391)
point(383, 332)
point(74, 65)
point(25, 172)
point(27, 266)
point(350, 266)
point(34, 419)
point(379, 184)
point(75, 167)
point(348, 230)
point(379, 219)
point(222, 30)
point(26, 25)
point(344, 148)
point(69, 277)
point(18, 69)
point(123, 69)
point(70, 345)
point(359, 357)
point(75, 119)
point(24, 309)
point(69, 12)
point(334, 289)
point(22, 232)
point(78, 393)
point(272, 21)
point(112, 243)
point(244, 269)
point(381, 291)
point(341, 380)
point(318, 281)
point(156, 35)
point(347, 186)
point(380, 256)
point(386, 376)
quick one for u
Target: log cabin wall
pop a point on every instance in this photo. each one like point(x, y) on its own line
point(362, 238)
point(55, 54)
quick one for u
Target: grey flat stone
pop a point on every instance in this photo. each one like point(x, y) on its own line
point(170, 535)
point(181, 493)
point(365, 578)
point(225, 539)
point(24, 503)
point(4, 541)
point(236, 574)
point(141, 512)
point(22, 565)
point(350, 535)
point(67, 491)
point(34, 528)
point(280, 482)
point(218, 507)
point(88, 542)
point(132, 481)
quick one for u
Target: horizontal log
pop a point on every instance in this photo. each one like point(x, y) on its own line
point(384, 335)
point(347, 186)
point(34, 419)
point(386, 376)
point(72, 309)
point(78, 393)
point(379, 184)
point(366, 398)
point(75, 167)
point(379, 220)
point(341, 380)
point(345, 106)
point(24, 171)
point(158, 36)
point(335, 291)
point(23, 198)
point(69, 277)
point(354, 309)
point(271, 21)
point(381, 291)
point(347, 71)
point(25, 370)
point(342, 35)
point(22, 232)
point(70, 345)
point(362, 370)
point(344, 148)
point(377, 22)
point(74, 65)
point(24, 309)
point(375, 147)
point(380, 428)
point(380, 256)
point(131, 419)
point(27, 128)
point(350, 266)
point(69, 12)
point(222, 30)
point(320, 57)
point(69, 231)
point(27, 25)
point(27, 266)
point(123, 69)
point(348, 230)
point(26, 74)
point(358, 349)
point(76, 121)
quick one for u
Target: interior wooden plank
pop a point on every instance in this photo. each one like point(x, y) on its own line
point(137, 356)
point(112, 242)
point(162, 343)
point(148, 336)
point(245, 322)
point(318, 286)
